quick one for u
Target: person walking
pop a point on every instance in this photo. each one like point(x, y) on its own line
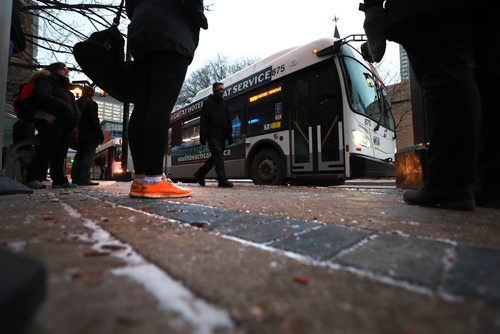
point(89, 137)
point(56, 118)
point(449, 46)
point(215, 129)
point(163, 36)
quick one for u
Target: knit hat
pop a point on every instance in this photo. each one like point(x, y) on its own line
point(52, 68)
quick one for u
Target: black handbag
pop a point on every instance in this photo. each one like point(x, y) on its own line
point(102, 59)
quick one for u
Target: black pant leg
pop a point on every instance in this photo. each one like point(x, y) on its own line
point(159, 86)
point(216, 146)
point(443, 63)
point(58, 158)
point(487, 53)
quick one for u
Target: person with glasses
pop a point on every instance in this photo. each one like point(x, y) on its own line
point(56, 119)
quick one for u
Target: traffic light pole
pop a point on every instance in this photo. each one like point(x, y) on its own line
point(127, 175)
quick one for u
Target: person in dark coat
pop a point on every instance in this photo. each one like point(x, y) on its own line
point(162, 36)
point(89, 137)
point(449, 45)
point(55, 120)
point(215, 129)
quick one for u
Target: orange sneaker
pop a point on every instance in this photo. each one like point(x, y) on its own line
point(136, 190)
point(164, 189)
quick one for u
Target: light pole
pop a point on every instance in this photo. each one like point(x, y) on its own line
point(7, 185)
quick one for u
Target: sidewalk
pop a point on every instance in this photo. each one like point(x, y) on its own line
point(257, 260)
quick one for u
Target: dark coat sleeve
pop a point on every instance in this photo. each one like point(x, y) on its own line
point(204, 123)
point(193, 10)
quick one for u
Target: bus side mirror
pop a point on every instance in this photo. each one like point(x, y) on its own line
point(365, 52)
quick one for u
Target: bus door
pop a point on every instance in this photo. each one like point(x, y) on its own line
point(316, 122)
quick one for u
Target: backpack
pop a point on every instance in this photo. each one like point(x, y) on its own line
point(24, 105)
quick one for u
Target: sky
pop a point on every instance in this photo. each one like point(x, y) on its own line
point(260, 28)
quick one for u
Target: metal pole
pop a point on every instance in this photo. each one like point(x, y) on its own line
point(126, 111)
point(420, 135)
point(5, 21)
point(7, 185)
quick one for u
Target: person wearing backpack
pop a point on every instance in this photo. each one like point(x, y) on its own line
point(162, 36)
point(89, 136)
point(55, 119)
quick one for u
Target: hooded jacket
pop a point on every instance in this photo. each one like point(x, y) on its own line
point(52, 96)
point(164, 25)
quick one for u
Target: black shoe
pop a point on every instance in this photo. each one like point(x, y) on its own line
point(225, 184)
point(454, 199)
point(200, 179)
point(488, 198)
point(87, 183)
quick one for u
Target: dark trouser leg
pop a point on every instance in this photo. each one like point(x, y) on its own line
point(58, 160)
point(53, 148)
point(216, 146)
point(159, 79)
point(443, 63)
point(40, 162)
point(488, 77)
point(83, 161)
point(206, 167)
point(76, 168)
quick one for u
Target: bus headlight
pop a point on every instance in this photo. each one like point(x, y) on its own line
point(361, 139)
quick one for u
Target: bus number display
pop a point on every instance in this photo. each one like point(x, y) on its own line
point(277, 70)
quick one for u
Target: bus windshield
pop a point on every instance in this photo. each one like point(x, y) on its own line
point(367, 94)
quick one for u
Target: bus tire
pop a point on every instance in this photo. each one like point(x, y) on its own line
point(267, 168)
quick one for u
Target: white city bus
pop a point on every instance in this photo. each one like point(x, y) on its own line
point(314, 112)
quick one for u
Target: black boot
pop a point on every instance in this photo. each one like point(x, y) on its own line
point(454, 199)
point(225, 183)
point(200, 178)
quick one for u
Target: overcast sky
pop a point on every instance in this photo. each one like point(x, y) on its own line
point(238, 28)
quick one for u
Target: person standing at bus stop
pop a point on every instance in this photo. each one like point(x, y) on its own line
point(56, 120)
point(163, 36)
point(215, 129)
point(453, 51)
point(89, 136)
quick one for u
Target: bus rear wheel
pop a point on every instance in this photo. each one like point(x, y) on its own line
point(267, 168)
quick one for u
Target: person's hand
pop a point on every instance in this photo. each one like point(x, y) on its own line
point(375, 26)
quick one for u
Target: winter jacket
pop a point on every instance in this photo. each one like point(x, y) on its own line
point(164, 25)
point(89, 128)
point(51, 95)
point(215, 120)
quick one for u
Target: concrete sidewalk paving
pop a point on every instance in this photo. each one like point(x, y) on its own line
point(246, 264)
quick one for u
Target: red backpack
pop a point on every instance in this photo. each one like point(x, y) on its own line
point(24, 105)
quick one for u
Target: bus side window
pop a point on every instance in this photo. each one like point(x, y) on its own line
point(236, 114)
point(265, 111)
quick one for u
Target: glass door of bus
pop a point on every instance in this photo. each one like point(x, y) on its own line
point(316, 122)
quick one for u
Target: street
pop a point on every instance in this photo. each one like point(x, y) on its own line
point(256, 259)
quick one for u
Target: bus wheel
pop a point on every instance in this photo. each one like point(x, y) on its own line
point(267, 168)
